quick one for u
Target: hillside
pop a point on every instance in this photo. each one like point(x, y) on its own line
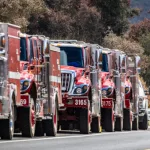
point(144, 5)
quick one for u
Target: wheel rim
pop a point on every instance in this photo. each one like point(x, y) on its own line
point(33, 116)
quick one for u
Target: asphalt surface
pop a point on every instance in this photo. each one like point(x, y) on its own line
point(133, 140)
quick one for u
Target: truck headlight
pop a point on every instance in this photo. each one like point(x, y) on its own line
point(127, 90)
point(25, 85)
point(81, 90)
point(104, 93)
point(109, 91)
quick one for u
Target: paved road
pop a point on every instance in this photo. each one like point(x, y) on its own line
point(134, 140)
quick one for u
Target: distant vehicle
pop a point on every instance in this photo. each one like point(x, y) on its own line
point(144, 112)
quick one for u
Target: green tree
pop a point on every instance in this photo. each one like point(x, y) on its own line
point(114, 14)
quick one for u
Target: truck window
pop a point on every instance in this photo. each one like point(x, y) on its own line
point(31, 51)
point(105, 63)
point(74, 56)
point(23, 49)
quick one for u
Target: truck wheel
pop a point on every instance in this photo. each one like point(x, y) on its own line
point(144, 125)
point(109, 120)
point(95, 125)
point(39, 129)
point(84, 121)
point(50, 125)
point(8, 126)
point(127, 120)
point(135, 125)
point(119, 124)
point(28, 121)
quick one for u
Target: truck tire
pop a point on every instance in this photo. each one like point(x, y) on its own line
point(135, 125)
point(8, 126)
point(39, 129)
point(144, 125)
point(50, 125)
point(127, 121)
point(109, 120)
point(28, 120)
point(95, 125)
point(119, 124)
point(84, 121)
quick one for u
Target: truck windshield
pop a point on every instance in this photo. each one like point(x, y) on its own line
point(105, 63)
point(23, 49)
point(72, 56)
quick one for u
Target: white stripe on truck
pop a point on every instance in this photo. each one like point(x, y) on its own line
point(55, 79)
point(14, 75)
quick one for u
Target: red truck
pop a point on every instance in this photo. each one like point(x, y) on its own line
point(10, 102)
point(113, 90)
point(40, 85)
point(30, 84)
point(80, 86)
point(131, 109)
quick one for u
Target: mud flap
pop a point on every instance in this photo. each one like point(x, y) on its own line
point(95, 125)
point(127, 120)
point(109, 120)
point(135, 124)
point(39, 131)
point(119, 124)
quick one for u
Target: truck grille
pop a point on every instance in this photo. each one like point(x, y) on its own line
point(66, 79)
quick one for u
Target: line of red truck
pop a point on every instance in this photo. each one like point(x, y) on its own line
point(50, 85)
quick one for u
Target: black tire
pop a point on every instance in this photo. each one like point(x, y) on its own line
point(119, 124)
point(50, 125)
point(8, 126)
point(84, 121)
point(39, 129)
point(144, 125)
point(135, 124)
point(109, 124)
point(127, 122)
point(95, 125)
point(27, 125)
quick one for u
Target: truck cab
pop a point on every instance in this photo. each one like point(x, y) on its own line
point(77, 92)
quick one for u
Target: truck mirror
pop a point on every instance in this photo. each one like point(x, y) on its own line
point(31, 67)
point(87, 73)
point(138, 70)
point(100, 65)
point(138, 60)
point(2, 40)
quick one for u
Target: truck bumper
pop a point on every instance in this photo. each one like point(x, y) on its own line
point(76, 101)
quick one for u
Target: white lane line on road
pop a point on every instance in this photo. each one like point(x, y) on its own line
point(67, 137)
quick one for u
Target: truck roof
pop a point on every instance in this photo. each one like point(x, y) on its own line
point(67, 45)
